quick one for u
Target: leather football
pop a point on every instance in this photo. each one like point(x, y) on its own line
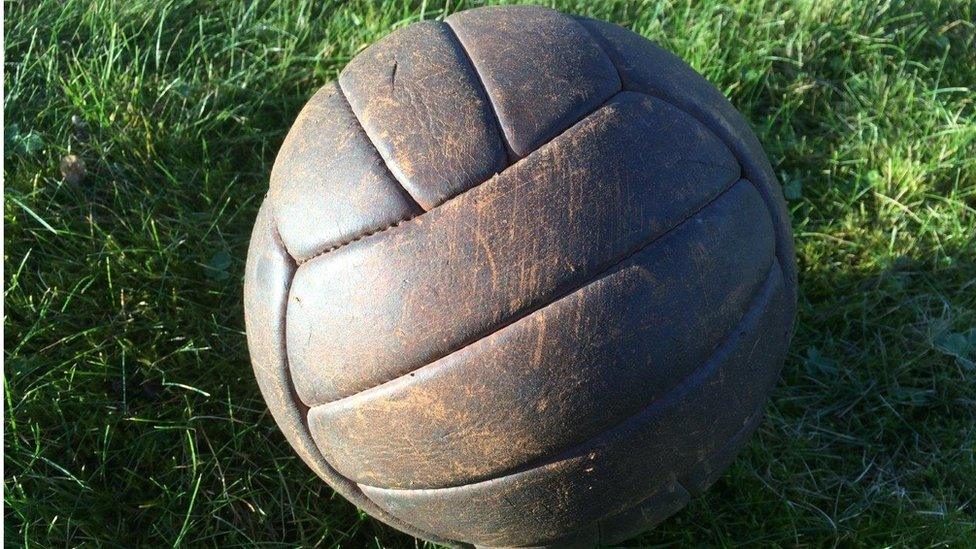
point(521, 279)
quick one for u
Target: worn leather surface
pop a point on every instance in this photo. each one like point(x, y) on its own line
point(627, 334)
point(421, 104)
point(329, 185)
point(537, 230)
point(267, 278)
point(541, 69)
point(521, 280)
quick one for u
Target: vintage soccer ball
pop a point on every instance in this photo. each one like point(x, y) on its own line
point(521, 279)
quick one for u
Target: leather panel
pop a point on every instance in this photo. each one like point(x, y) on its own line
point(267, 277)
point(622, 466)
point(647, 68)
point(541, 69)
point(575, 367)
point(422, 105)
point(392, 302)
point(328, 184)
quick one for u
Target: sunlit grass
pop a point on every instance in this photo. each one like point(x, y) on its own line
point(132, 417)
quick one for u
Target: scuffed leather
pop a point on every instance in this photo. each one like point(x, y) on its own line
point(329, 186)
point(538, 229)
point(618, 469)
point(628, 334)
point(647, 68)
point(267, 277)
point(541, 69)
point(421, 104)
point(521, 280)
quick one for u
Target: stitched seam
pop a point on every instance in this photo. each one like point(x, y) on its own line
point(287, 368)
point(509, 153)
point(676, 486)
point(455, 197)
point(360, 237)
point(761, 299)
point(598, 42)
point(280, 242)
point(601, 43)
point(303, 409)
point(526, 157)
point(498, 125)
point(555, 296)
point(386, 165)
point(769, 207)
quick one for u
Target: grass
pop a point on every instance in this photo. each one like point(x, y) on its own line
point(131, 415)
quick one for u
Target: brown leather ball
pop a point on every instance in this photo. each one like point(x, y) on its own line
point(521, 279)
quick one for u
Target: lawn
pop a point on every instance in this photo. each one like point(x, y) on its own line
point(131, 414)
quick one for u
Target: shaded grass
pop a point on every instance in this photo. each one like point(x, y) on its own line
point(131, 415)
